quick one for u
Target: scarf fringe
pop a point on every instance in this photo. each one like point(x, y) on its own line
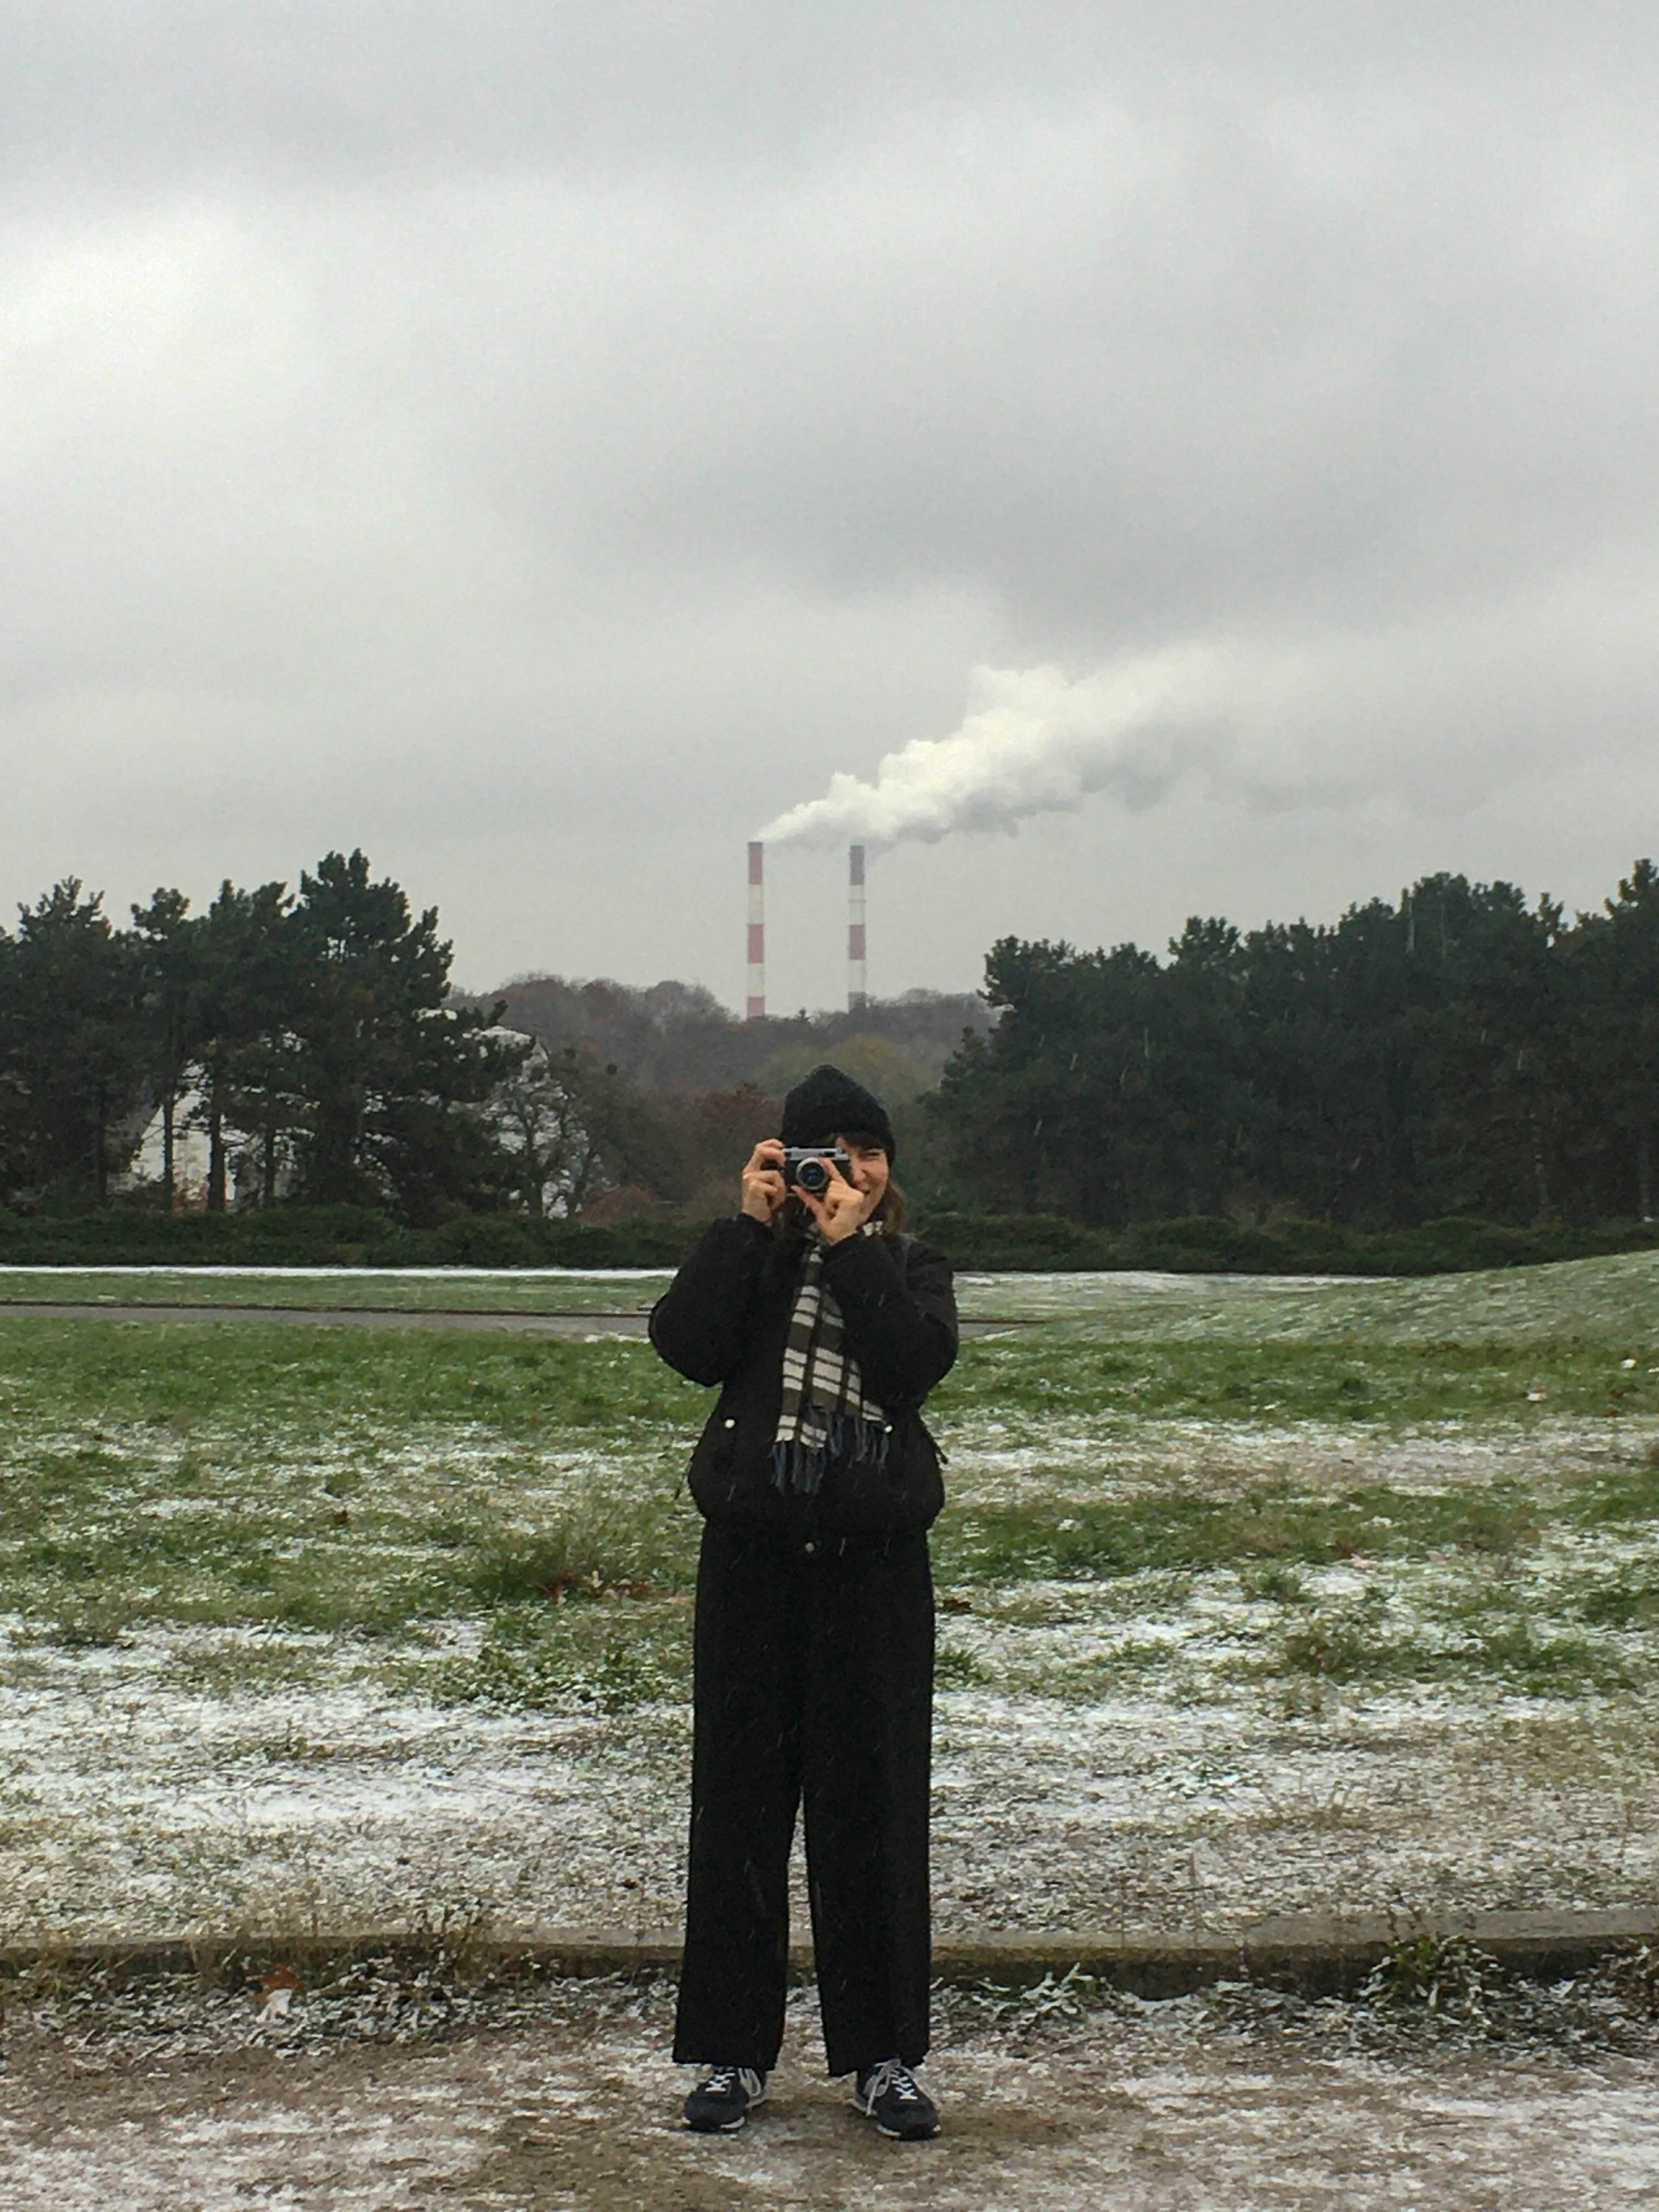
point(798, 1465)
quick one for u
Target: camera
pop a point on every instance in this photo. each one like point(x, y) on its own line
point(806, 1167)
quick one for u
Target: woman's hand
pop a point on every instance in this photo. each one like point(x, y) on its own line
point(763, 1191)
point(839, 1209)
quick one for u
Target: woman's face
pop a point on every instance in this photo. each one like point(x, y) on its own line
point(871, 1169)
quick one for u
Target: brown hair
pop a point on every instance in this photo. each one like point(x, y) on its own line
point(891, 1211)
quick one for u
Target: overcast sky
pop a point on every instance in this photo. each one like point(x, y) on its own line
point(542, 443)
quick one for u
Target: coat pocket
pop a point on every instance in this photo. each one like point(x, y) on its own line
point(709, 1477)
point(905, 1492)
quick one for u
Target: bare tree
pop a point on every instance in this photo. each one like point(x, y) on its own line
point(554, 1117)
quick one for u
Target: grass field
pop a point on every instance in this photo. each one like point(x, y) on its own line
point(1597, 1298)
point(1254, 1595)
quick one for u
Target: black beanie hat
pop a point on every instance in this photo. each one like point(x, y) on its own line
point(828, 1103)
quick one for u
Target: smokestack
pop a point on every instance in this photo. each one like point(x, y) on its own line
point(757, 933)
point(856, 992)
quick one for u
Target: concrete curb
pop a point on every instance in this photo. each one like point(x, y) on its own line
point(1319, 1954)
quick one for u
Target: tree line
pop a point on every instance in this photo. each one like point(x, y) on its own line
point(312, 1039)
point(1466, 1052)
point(307, 1034)
point(676, 1038)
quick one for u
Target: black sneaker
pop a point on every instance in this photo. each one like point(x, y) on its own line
point(891, 2095)
point(719, 2104)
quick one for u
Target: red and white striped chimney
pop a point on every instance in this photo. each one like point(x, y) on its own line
point(857, 991)
point(757, 933)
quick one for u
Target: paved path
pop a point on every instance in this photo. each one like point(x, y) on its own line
point(541, 1324)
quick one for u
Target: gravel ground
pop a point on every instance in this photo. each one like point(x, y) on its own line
point(572, 2102)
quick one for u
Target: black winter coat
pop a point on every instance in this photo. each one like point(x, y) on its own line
point(724, 1319)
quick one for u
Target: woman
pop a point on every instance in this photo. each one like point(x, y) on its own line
point(824, 1328)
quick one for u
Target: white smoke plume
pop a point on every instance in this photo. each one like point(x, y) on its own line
point(1036, 743)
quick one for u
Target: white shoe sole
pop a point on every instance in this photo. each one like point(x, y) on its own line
point(893, 2135)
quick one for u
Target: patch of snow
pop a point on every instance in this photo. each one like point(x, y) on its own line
point(131, 1803)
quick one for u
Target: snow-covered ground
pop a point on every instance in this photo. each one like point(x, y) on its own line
point(1125, 1751)
point(137, 1797)
point(1154, 2108)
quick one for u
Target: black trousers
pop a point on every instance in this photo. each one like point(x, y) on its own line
point(814, 1677)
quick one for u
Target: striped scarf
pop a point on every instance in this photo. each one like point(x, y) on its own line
point(825, 1414)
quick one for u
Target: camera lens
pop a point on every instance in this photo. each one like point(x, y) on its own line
point(813, 1175)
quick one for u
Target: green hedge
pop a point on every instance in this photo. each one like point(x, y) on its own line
point(350, 1236)
point(1202, 1245)
point(331, 1237)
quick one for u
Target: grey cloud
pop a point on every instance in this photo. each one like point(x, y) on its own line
point(146, 89)
point(644, 411)
point(1279, 407)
